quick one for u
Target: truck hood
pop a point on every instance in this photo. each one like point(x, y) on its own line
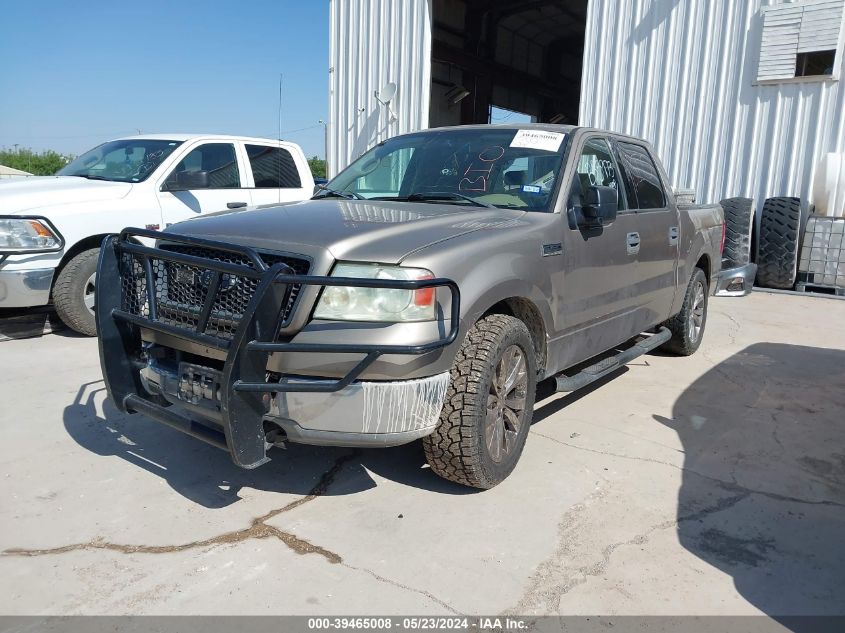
point(19, 195)
point(357, 230)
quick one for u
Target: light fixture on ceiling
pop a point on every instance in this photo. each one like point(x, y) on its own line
point(456, 94)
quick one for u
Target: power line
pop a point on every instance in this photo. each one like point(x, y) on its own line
point(301, 129)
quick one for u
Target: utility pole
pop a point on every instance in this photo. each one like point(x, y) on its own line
point(16, 147)
point(325, 144)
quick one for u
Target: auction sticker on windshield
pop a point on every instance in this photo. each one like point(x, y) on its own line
point(538, 139)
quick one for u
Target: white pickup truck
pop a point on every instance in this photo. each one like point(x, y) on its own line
point(51, 228)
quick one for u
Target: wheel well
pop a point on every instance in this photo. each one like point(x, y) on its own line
point(704, 264)
point(525, 310)
point(94, 241)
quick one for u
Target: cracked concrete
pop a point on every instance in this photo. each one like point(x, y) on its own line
point(707, 485)
point(258, 529)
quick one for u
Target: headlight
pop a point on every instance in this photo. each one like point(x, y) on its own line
point(350, 303)
point(28, 235)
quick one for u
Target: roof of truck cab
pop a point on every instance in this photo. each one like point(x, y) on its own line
point(176, 136)
point(547, 127)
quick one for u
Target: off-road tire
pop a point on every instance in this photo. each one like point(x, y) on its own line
point(685, 341)
point(739, 226)
point(457, 450)
point(69, 292)
point(777, 247)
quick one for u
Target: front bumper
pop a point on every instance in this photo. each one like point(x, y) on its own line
point(365, 413)
point(735, 282)
point(25, 288)
point(239, 397)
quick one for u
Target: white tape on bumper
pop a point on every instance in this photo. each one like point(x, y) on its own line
point(392, 407)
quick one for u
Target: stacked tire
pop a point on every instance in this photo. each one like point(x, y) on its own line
point(739, 228)
point(781, 223)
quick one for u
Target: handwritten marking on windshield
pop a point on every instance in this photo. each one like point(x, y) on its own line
point(480, 182)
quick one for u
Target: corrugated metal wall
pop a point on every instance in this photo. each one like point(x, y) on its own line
point(682, 73)
point(373, 43)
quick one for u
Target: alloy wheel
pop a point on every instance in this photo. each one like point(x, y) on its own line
point(696, 316)
point(88, 292)
point(506, 403)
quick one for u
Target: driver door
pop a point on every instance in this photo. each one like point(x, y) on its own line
point(596, 296)
point(226, 189)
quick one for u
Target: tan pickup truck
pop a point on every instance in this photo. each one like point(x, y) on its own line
point(422, 293)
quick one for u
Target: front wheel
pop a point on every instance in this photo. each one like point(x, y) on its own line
point(687, 326)
point(73, 293)
point(488, 407)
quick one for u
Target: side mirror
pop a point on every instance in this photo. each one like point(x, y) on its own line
point(187, 180)
point(319, 184)
point(600, 205)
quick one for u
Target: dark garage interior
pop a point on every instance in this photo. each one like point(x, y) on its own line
point(522, 56)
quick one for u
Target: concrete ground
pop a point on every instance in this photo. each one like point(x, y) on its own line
point(713, 484)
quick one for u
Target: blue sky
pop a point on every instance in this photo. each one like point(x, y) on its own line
point(75, 74)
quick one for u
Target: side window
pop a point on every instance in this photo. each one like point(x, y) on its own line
point(273, 167)
point(218, 159)
point(641, 176)
point(595, 168)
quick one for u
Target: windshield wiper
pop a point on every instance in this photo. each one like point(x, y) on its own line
point(92, 177)
point(328, 193)
point(447, 195)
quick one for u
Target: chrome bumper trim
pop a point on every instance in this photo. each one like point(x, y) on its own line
point(736, 282)
point(25, 288)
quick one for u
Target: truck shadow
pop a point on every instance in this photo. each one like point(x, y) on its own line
point(763, 487)
point(20, 323)
point(207, 476)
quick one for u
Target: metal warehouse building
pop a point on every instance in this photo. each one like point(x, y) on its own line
point(739, 97)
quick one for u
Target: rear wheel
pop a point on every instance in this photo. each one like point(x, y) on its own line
point(73, 293)
point(687, 326)
point(489, 405)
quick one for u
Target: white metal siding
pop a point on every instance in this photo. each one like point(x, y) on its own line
point(682, 73)
point(373, 43)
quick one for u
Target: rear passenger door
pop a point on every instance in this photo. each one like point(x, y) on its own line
point(275, 176)
point(656, 223)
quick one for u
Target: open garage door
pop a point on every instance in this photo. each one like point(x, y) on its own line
point(524, 56)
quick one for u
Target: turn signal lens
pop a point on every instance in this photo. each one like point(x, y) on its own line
point(424, 297)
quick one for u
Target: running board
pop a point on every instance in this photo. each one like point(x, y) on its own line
point(604, 367)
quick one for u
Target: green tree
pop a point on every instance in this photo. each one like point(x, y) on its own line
point(318, 167)
point(44, 163)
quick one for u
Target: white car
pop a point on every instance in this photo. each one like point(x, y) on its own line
point(51, 228)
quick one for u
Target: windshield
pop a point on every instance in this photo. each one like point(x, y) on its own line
point(501, 167)
point(130, 160)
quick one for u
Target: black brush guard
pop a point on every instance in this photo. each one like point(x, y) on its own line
point(243, 384)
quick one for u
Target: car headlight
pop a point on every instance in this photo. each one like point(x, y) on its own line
point(352, 303)
point(28, 235)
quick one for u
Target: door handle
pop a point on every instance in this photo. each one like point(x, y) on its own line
point(673, 236)
point(632, 242)
point(235, 205)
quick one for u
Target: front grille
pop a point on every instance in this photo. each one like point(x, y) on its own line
point(181, 289)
